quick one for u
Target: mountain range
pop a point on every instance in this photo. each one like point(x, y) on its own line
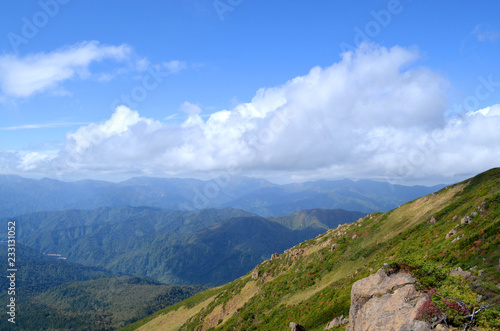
point(122, 241)
point(446, 243)
point(208, 247)
point(258, 196)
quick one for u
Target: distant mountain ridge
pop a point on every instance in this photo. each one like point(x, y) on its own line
point(20, 195)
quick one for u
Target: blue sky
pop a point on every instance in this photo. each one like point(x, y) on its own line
point(288, 90)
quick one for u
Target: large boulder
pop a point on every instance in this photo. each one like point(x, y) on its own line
point(386, 302)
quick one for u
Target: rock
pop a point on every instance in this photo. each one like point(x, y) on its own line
point(481, 206)
point(466, 220)
point(297, 252)
point(432, 220)
point(386, 302)
point(481, 273)
point(336, 322)
point(459, 272)
point(474, 213)
point(451, 233)
point(334, 245)
point(255, 274)
point(354, 236)
point(455, 217)
point(456, 239)
point(274, 256)
point(296, 327)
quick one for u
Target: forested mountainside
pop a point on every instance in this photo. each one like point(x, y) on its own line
point(208, 247)
point(55, 294)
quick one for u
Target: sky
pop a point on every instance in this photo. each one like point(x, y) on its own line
point(401, 91)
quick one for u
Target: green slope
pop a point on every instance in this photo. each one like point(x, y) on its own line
point(310, 284)
point(317, 218)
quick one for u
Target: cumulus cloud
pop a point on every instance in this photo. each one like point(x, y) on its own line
point(25, 76)
point(373, 114)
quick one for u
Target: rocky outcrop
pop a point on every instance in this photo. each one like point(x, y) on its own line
point(296, 253)
point(386, 302)
point(466, 220)
point(296, 327)
point(467, 275)
point(336, 322)
point(450, 234)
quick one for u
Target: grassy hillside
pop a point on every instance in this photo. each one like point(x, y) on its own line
point(310, 284)
point(317, 218)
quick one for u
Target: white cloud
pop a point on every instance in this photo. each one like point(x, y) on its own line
point(371, 115)
point(40, 126)
point(173, 66)
point(31, 160)
point(488, 111)
point(483, 33)
point(25, 76)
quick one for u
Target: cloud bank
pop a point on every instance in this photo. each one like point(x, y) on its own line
point(373, 114)
point(25, 76)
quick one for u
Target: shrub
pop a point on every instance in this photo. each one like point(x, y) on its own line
point(428, 312)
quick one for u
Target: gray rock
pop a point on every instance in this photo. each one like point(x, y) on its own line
point(415, 326)
point(296, 327)
point(459, 272)
point(336, 322)
point(451, 233)
point(386, 302)
point(466, 220)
